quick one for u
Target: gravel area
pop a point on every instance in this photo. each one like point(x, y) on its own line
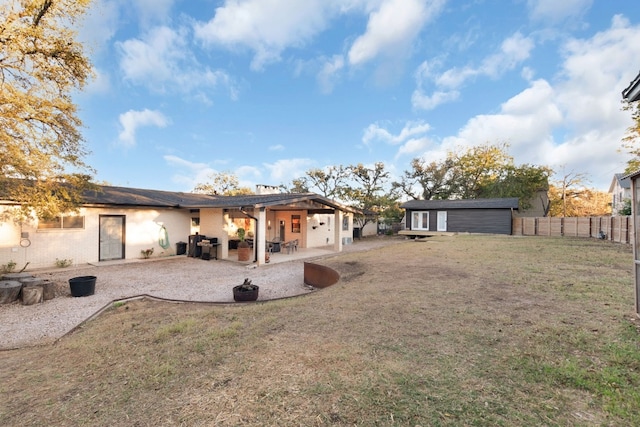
point(175, 278)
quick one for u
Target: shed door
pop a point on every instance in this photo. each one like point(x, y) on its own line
point(111, 237)
point(442, 221)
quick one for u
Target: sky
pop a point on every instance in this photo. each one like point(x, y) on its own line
point(269, 89)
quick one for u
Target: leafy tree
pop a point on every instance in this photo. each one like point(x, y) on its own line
point(222, 184)
point(579, 202)
point(329, 182)
point(479, 168)
point(368, 191)
point(485, 171)
point(428, 181)
point(299, 185)
point(41, 65)
point(631, 139)
point(626, 208)
point(567, 193)
point(522, 181)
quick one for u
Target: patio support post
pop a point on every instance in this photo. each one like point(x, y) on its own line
point(261, 236)
point(337, 230)
point(224, 239)
point(635, 214)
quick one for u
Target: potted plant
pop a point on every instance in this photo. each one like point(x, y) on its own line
point(244, 250)
point(146, 253)
point(246, 292)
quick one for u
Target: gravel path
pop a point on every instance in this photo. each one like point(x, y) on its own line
point(175, 278)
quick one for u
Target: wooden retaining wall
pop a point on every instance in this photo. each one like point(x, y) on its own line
point(618, 229)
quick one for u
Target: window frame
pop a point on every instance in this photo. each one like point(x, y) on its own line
point(296, 223)
point(417, 221)
point(50, 225)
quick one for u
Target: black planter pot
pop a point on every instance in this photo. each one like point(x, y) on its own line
point(240, 294)
point(82, 286)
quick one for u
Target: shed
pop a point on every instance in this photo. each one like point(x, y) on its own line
point(427, 217)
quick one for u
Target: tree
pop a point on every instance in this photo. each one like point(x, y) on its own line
point(328, 182)
point(222, 184)
point(566, 193)
point(485, 171)
point(523, 182)
point(369, 191)
point(630, 141)
point(428, 181)
point(579, 202)
point(41, 64)
point(479, 168)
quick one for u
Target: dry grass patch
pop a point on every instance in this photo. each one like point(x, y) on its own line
point(464, 330)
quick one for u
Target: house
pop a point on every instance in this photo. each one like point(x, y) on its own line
point(620, 190)
point(117, 223)
point(428, 217)
point(632, 92)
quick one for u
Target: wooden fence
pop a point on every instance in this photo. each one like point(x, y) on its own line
point(618, 229)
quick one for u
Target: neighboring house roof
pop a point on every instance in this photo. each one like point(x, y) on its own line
point(622, 180)
point(632, 92)
point(505, 203)
point(137, 197)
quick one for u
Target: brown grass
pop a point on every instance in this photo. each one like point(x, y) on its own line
point(464, 330)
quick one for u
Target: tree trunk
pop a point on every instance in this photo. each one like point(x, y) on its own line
point(31, 295)
point(48, 290)
point(9, 291)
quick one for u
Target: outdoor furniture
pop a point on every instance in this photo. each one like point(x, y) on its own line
point(276, 246)
point(291, 245)
point(209, 250)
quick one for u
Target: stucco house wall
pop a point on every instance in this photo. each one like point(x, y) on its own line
point(136, 219)
point(41, 248)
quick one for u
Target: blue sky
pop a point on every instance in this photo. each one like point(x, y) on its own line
point(268, 89)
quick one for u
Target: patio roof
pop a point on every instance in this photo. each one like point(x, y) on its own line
point(136, 197)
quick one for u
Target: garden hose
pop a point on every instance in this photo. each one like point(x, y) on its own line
point(163, 240)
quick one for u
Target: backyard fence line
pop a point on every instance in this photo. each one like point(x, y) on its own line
point(617, 229)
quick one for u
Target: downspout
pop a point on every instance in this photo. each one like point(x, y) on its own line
point(255, 240)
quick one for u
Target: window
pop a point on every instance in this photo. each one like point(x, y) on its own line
point(62, 222)
point(345, 223)
point(420, 220)
point(295, 223)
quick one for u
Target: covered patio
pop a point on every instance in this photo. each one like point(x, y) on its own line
point(273, 222)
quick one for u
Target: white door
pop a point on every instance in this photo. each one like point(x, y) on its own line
point(442, 221)
point(111, 237)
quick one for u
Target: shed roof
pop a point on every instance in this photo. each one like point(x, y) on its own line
point(503, 203)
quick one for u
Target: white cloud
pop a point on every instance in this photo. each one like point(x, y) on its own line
point(162, 61)
point(132, 120)
point(266, 27)
point(421, 101)
point(577, 122)
point(414, 146)
point(553, 11)
point(392, 28)
point(330, 73)
point(376, 133)
point(513, 51)
point(277, 147)
point(187, 173)
point(285, 170)
point(151, 11)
